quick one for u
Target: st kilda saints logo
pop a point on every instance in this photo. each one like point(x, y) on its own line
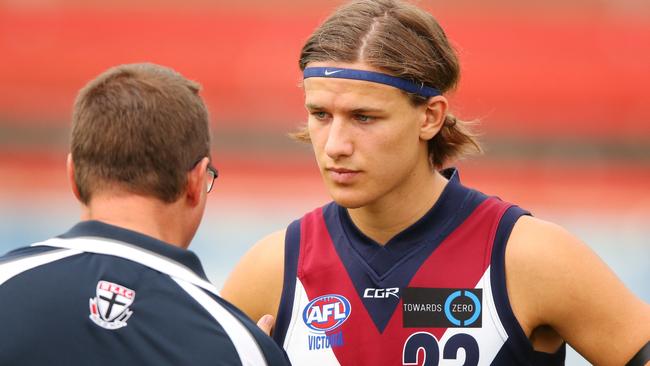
point(110, 308)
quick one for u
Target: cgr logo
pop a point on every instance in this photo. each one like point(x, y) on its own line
point(326, 313)
point(380, 293)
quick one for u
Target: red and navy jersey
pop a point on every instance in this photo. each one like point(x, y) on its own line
point(435, 294)
point(104, 295)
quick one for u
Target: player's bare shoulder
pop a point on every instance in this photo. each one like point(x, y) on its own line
point(559, 286)
point(255, 285)
point(536, 250)
point(537, 245)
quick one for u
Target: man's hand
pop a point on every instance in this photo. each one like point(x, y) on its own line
point(266, 323)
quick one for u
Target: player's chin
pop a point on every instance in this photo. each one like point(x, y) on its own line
point(348, 197)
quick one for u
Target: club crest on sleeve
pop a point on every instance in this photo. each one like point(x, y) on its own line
point(110, 308)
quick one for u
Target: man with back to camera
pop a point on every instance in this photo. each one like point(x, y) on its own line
point(407, 266)
point(120, 287)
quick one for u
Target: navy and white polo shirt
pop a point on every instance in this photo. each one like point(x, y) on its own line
point(103, 295)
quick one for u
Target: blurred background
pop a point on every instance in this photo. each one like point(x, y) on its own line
point(561, 89)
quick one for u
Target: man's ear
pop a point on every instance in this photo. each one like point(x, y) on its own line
point(73, 183)
point(196, 182)
point(435, 114)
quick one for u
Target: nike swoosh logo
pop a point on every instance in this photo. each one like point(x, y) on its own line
point(332, 72)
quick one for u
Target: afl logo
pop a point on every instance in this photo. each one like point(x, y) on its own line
point(326, 313)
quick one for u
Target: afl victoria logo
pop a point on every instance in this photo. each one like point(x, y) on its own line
point(326, 313)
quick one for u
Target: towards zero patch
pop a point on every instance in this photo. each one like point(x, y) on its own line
point(441, 308)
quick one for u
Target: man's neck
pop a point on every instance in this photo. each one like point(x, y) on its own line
point(145, 215)
point(383, 220)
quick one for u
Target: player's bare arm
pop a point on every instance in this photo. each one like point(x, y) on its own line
point(560, 289)
point(255, 285)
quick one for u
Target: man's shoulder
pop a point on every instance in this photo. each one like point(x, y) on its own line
point(24, 252)
point(32, 268)
point(25, 259)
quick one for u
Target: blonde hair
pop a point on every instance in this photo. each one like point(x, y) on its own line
point(404, 41)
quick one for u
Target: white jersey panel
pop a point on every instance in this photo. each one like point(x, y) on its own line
point(298, 336)
point(490, 337)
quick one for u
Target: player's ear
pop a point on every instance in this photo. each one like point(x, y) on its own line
point(73, 183)
point(434, 118)
point(196, 182)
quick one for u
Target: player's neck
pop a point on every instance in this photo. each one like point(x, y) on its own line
point(386, 218)
point(145, 215)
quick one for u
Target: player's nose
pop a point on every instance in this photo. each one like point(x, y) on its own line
point(339, 139)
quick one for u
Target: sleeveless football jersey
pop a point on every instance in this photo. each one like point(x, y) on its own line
point(435, 294)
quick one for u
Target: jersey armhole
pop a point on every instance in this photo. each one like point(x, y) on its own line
point(517, 341)
point(291, 253)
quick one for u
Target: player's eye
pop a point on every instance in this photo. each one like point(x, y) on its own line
point(320, 115)
point(363, 118)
